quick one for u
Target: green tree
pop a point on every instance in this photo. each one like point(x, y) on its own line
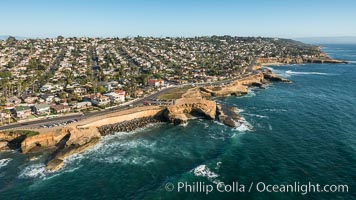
point(101, 89)
point(8, 113)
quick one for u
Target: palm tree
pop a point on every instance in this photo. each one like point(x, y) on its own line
point(8, 113)
point(1, 115)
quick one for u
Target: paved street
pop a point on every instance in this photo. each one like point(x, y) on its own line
point(138, 102)
point(37, 123)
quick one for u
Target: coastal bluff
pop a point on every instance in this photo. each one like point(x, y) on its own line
point(238, 87)
point(323, 58)
point(62, 142)
point(184, 107)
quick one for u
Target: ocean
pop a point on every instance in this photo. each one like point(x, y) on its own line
point(294, 134)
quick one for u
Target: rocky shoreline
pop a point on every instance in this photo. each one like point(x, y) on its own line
point(127, 126)
point(322, 59)
point(76, 138)
point(228, 115)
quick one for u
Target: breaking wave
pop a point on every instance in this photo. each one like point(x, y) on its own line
point(206, 172)
point(274, 110)
point(307, 73)
point(256, 115)
point(243, 125)
point(113, 149)
point(34, 171)
point(250, 93)
point(4, 162)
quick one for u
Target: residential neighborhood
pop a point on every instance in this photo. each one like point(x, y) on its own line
point(41, 77)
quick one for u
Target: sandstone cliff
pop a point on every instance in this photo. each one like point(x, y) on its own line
point(45, 140)
point(237, 87)
point(269, 75)
point(12, 139)
point(228, 115)
point(7, 138)
point(78, 137)
point(177, 113)
point(322, 59)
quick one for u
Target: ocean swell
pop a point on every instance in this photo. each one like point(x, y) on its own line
point(308, 73)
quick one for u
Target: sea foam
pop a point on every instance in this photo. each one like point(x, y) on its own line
point(307, 73)
point(204, 171)
point(4, 162)
point(33, 171)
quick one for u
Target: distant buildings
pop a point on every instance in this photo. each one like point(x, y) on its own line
point(71, 74)
point(42, 109)
point(99, 100)
point(155, 82)
point(117, 96)
point(22, 112)
point(57, 109)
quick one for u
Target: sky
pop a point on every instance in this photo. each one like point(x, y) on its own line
point(183, 18)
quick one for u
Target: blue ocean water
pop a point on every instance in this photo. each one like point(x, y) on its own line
point(299, 132)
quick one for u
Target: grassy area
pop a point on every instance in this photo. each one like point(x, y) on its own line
point(174, 93)
point(31, 117)
point(28, 133)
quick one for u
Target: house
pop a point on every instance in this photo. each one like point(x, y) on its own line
point(139, 93)
point(60, 109)
point(5, 115)
point(99, 100)
point(46, 87)
point(21, 112)
point(107, 86)
point(80, 90)
point(155, 82)
point(47, 97)
point(41, 109)
point(82, 105)
point(30, 99)
point(117, 96)
point(12, 101)
point(121, 94)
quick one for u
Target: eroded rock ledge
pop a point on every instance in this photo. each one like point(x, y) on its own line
point(184, 107)
point(228, 115)
point(269, 75)
point(78, 137)
point(322, 59)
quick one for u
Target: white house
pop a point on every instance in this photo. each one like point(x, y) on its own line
point(117, 96)
point(82, 105)
point(99, 100)
point(42, 108)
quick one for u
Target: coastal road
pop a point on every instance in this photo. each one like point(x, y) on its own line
point(37, 123)
point(138, 102)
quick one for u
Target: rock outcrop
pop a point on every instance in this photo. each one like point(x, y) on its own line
point(238, 87)
point(178, 113)
point(228, 115)
point(3, 145)
point(63, 142)
point(269, 75)
point(57, 162)
point(9, 136)
point(45, 140)
point(77, 137)
point(13, 139)
point(322, 59)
